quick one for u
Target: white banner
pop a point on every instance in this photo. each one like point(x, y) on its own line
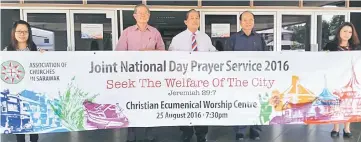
point(76, 91)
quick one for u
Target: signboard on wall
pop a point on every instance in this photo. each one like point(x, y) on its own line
point(91, 31)
point(221, 30)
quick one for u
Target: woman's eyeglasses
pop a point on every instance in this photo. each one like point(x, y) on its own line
point(21, 32)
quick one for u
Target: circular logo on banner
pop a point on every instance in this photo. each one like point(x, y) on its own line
point(12, 72)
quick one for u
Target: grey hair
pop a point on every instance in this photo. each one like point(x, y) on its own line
point(192, 10)
point(140, 5)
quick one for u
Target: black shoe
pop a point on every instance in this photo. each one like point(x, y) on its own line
point(239, 137)
point(335, 134)
point(201, 140)
point(186, 139)
point(257, 138)
point(254, 135)
point(347, 135)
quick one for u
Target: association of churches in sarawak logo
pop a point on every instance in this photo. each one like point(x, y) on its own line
point(12, 72)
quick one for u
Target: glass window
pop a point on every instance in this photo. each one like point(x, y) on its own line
point(355, 3)
point(296, 32)
point(168, 23)
point(120, 2)
point(119, 22)
point(128, 19)
point(174, 2)
point(84, 42)
point(264, 25)
point(276, 3)
point(326, 28)
point(7, 24)
point(225, 3)
point(55, 1)
point(220, 40)
point(324, 3)
point(49, 30)
point(356, 21)
point(13, 107)
point(26, 107)
point(3, 106)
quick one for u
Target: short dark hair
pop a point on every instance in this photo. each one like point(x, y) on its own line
point(192, 10)
point(240, 17)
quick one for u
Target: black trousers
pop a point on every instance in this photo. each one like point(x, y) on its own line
point(21, 137)
point(188, 131)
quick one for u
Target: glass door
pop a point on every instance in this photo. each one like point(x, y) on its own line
point(93, 30)
point(327, 24)
point(51, 30)
point(219, 26)
point(356, 20)
point(294, 30)
point(265, 25)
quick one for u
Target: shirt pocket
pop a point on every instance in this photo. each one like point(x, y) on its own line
point(257, 44)
point(151, 43)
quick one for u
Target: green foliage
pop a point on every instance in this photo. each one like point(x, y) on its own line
point(70, 107)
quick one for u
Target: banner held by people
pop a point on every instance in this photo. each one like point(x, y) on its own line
point(78, 91)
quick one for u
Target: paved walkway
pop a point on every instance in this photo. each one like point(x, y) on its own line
point(277, 133)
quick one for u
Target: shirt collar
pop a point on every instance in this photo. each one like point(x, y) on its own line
point(135, 27)
point(252, 32)
point(190, 33)
point(25, 49)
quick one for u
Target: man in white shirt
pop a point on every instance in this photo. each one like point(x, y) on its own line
point(191, 39)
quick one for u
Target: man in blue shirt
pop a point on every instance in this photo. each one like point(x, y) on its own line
point(247, 40)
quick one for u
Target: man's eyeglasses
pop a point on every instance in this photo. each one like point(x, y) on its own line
point(142, 14)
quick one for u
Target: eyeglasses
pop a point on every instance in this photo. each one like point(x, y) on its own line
point(142, 14)
point(21, 32)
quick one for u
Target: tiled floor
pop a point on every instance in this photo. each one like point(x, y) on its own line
point(277, 133)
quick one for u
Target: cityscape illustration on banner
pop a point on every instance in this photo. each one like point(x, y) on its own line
point(74, 109)
point(28, 111)
point(299, 105)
